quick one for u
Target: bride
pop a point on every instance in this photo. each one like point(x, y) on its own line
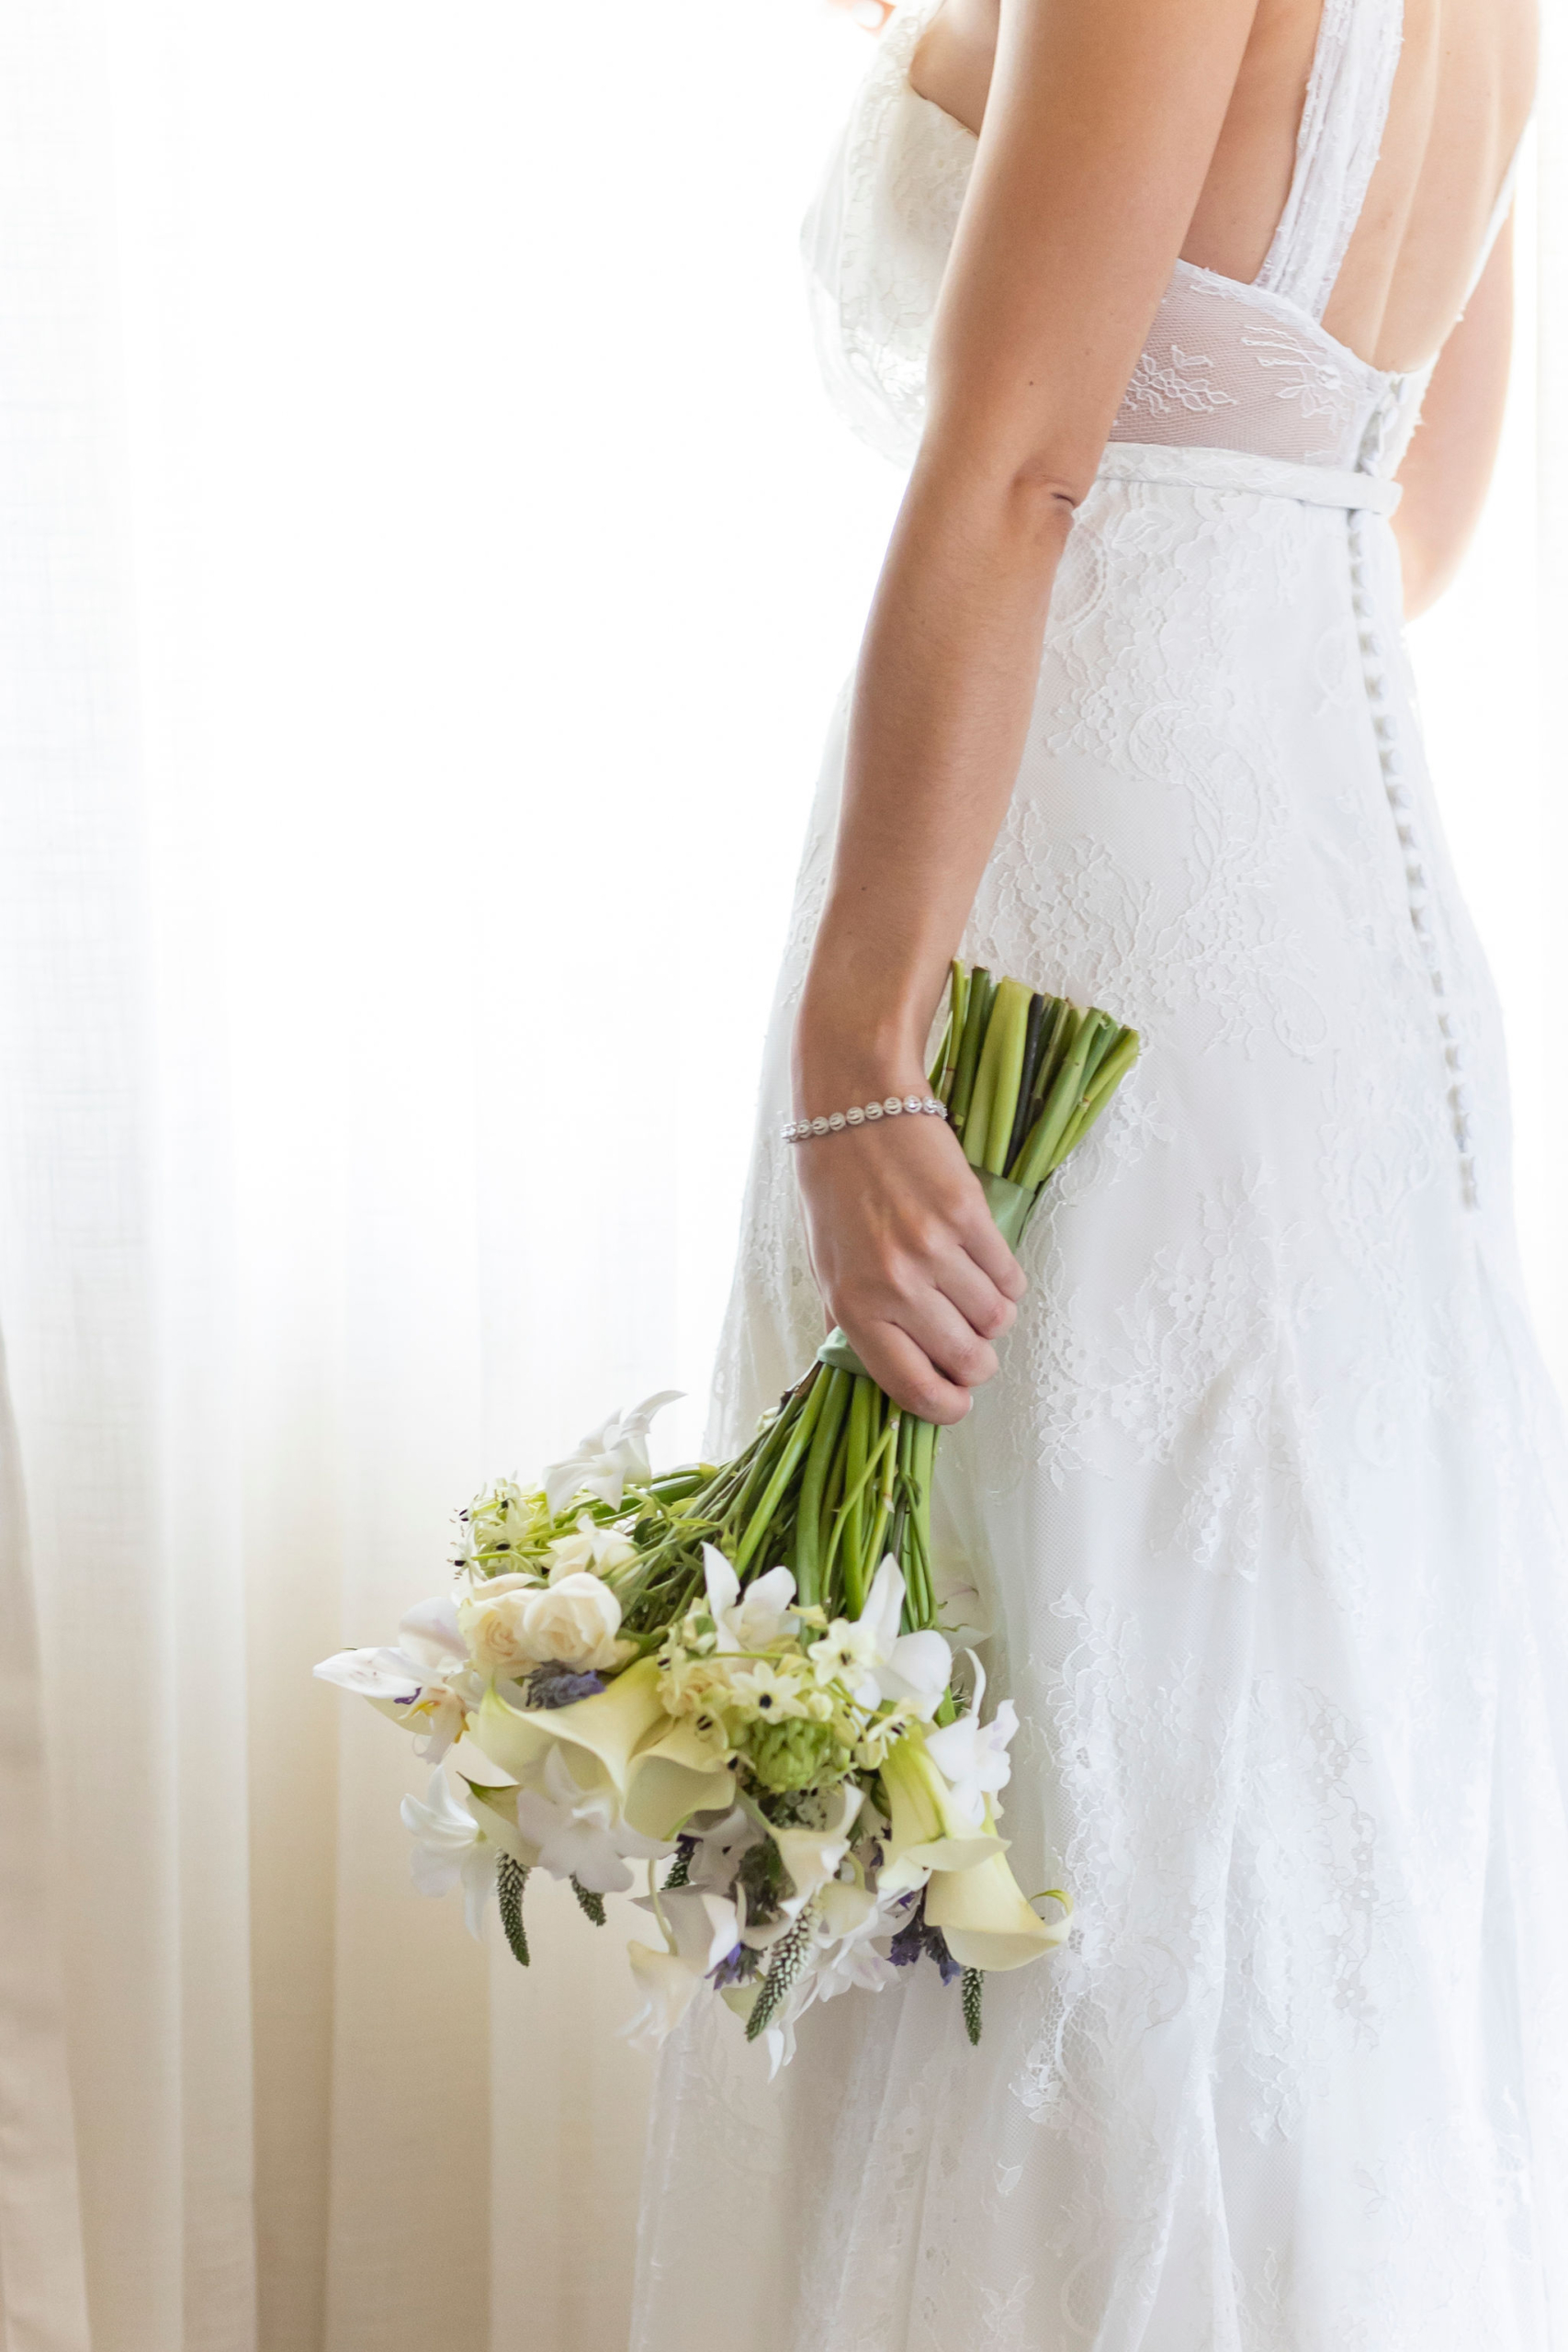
point(1190, 317)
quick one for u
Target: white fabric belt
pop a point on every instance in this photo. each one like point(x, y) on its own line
point(1233, 470)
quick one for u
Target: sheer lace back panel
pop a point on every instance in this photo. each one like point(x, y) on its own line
point(1227, 364)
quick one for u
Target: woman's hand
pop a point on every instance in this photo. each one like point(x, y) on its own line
point(908, 1260)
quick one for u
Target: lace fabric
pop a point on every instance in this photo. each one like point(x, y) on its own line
point(1341, 130)
point(1266, 1515)
point(1228, 365)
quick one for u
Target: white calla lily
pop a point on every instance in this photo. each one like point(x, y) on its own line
point(448, 1851)
point(607, 1457)
point(495, 1810)
point(660, 1768)
point(972, 1757)
point(611, 1725)
point(749, 1619)
point(986, 1920)
point(926, 1832)
point(578, 1828)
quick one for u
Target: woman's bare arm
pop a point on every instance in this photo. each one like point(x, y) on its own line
point(1448, 463)
point(1100, 123)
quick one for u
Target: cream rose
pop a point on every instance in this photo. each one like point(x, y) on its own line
point(601, 1549)
point(573, 1622)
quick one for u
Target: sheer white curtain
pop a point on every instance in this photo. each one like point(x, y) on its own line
point(414, 485)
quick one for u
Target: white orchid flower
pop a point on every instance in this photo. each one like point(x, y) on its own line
point(848, 1653)
point(915, 1668)
point(851, 1921)
point(749, 1619)
point(667, 1983)
point(424, 1682)
point(811, 1856)
point(579, 1831)
point(973, 1759)
point(721, 1849)
point(448, 1851)
point(607, 1457)
point(704, 1928)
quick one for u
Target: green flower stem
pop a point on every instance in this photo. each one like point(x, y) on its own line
point(765, 1454)
point(902, 1543)
point(1033, 1035)
point(799, 1437)
point(832, 1498)
point(1105, 1039)
point(849, 1519)
point(807, 1560)
point(915, 1560)
point(1064, 1030)
point(1078, 1126)
point(977, 1126)
point(922, 1468)
point(975, 1010)
point(1113, 1067)
point(969, 1990)
point(882, 1517)
point(845, 1533)
point(1034, 1162)
point(1005, 1041)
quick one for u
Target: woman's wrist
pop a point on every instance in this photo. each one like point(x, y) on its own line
point(859, 1040)
point(836, 1064)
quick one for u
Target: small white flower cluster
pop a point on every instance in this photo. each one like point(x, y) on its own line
point(798, 1701)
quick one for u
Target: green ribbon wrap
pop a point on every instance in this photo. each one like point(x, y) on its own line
point(1009, 1205)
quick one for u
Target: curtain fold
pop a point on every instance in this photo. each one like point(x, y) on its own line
point(413, 486)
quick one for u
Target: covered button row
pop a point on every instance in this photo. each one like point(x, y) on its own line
point(1386, 732)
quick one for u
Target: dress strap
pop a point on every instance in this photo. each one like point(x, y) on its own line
point(1499, 214)
point(1341, 131)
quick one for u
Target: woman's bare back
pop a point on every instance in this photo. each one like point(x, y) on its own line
point(1462, 95)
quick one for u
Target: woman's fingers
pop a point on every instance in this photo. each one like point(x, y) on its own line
point(948, 1355)
point(989, 1251)
point(909, 1263)
point(974, 1293)
point(908, 1374)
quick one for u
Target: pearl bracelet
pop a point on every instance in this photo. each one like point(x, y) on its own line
point(864, 1114)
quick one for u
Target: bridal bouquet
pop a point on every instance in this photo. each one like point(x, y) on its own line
point(737, 1670)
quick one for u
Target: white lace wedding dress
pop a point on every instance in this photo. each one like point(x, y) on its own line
point(1267, 1504)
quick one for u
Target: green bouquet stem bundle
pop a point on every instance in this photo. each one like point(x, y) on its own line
point(840, 1477)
